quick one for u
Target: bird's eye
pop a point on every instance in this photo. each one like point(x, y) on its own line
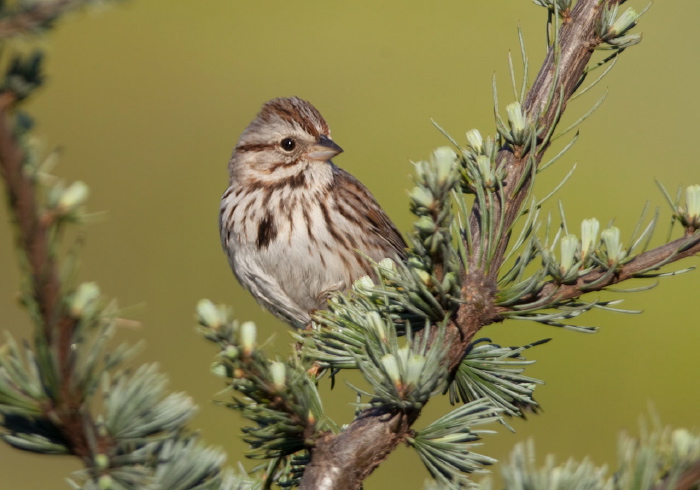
point(288, 144)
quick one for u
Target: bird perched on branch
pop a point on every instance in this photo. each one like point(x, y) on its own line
point(291, 221)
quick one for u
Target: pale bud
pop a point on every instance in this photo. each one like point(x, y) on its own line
point(683, 442)
point(414, 368)
point(623, 23)
point(387, 264)
point(475, 140)
point(278, 372)
point(569, 245)
point(516, 120)
point(231, 352)
point(391, 367)
point(105, 482)
point(425, 225)
point(101, 461)
point(84, 299)
point(589, 236)
point(247, 337)
point(364, 282)
point(611, 238)
point(73, 197)
point(692, 201)
point(444, 159)
point(218, 369)
point(208, 314)
point(422, 197)
point(374, 320)
point(484, 164)
point(424, 277)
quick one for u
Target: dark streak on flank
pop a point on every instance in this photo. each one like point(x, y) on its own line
point(352, 241)
point(229, 215)
point(331, 227)
point(346, 264)
point(347, 213)
point(307, 220)
point(249, 207)
point(228, 192)
point(354, 193)
point(290, 216)
point(267, 231)
point(246, 212)
point(361, 263)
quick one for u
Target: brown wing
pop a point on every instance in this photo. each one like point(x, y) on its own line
point(381, 228)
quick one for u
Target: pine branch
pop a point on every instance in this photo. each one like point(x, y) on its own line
point(343, 461)
point(36, 17)
point(688, 480)
point(48, 389)
point(659, 459)
point(650, 260)
point(57, 323)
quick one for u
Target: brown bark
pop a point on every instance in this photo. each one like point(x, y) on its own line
point(689, 480)
point(67, 411)
point(681, 248)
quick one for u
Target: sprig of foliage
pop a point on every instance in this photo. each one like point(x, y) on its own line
point(521, 473)
point(492, 372)
point(280, 398)
point(403, 377)
point(25, 18)
point(63, 393)
point(446, 445)
point(173, 464)
point(662, 458)
point(433, 253)
point(408, 329)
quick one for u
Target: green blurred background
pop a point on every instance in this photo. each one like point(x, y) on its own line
point(148, 97)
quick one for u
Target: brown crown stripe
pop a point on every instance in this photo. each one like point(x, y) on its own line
point(307, 125)
point(297, 112)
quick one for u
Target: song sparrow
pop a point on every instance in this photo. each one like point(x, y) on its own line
point(291, 222)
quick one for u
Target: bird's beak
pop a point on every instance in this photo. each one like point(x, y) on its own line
point(324, 149)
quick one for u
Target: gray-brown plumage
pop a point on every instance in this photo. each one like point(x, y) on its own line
point(291, 221)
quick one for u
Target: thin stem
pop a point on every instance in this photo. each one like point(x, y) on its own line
point(57, 326)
